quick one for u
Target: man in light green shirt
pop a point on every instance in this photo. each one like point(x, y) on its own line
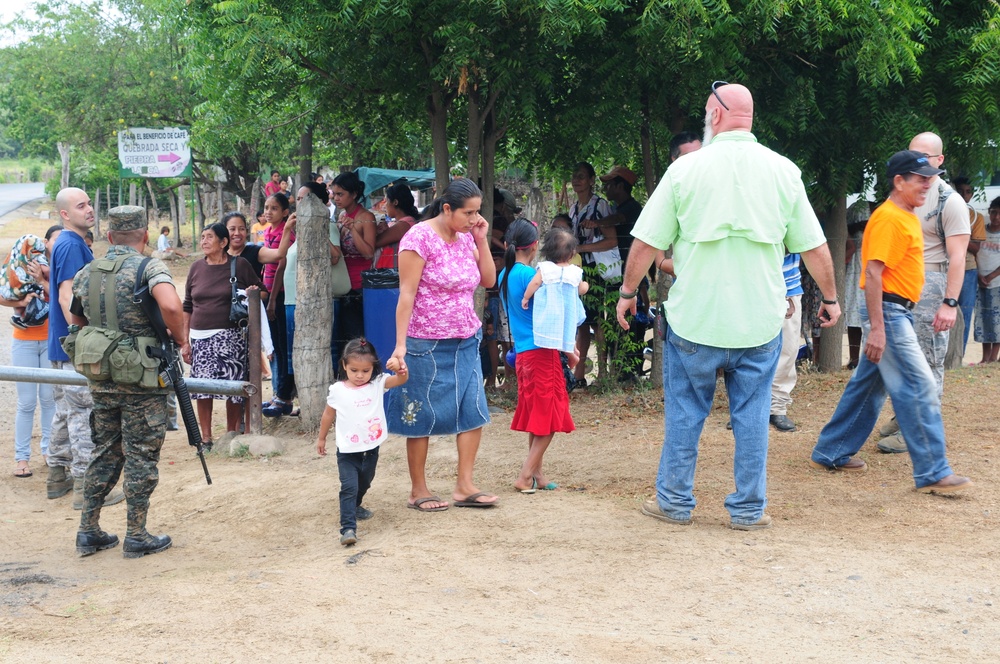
point(729, 210)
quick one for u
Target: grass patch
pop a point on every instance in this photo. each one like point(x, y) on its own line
point(26, 170)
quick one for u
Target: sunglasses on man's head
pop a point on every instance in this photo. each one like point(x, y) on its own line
point(715, 87)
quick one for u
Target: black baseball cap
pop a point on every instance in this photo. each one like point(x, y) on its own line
point(910, 161)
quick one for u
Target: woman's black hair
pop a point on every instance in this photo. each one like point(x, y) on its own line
point(352, 184)
point(360, 347)
point(455, 195)
point(401, 196)
point(319, 190)
point(221, 232)
point(234, 215)
point(587, 167)
point(282, 201)
point(52, 229)
point(521, 234)
point(559, 245)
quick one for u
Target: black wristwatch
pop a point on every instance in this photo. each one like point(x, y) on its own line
point(950, 301)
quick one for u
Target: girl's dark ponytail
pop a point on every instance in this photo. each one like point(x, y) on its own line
point(509, 258)
point(520, 235)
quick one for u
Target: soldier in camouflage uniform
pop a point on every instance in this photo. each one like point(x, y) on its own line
point(128, 422)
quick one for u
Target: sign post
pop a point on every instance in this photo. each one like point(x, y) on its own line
point(155, 153)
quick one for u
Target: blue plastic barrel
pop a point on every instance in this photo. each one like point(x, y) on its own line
point(381, 294)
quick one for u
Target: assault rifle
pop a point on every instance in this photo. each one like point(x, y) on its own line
point(171, 370)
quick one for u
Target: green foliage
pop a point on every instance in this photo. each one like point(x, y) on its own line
point(25, 170)
point(620, 346)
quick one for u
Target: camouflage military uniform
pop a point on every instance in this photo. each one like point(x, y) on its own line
point(128, 421)
point(934, 344)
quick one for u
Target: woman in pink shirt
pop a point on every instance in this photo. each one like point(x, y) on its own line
point(441, 263)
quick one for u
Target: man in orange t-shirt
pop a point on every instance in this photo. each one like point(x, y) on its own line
point(892, 256)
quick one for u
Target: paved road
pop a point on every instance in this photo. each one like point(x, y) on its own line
point(13, 196)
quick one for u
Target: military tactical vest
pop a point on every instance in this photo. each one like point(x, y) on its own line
point(100, 350)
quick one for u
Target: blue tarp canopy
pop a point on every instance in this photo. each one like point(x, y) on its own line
point(376, 178)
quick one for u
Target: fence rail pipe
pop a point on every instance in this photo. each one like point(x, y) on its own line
point(57, 377)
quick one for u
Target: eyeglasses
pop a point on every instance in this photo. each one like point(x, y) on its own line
point(715, 87)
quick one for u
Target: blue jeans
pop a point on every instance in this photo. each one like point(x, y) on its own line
point(688, 389)
point(903, 372)
point(33, 354)
point(357, 470)
point(967, 302)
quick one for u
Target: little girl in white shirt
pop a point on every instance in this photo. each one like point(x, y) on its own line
point(357, 405)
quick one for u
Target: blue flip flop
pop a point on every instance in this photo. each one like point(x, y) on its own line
point(551, 486)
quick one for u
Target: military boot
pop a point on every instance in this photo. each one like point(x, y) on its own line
point(59, 482)
point(92, 542)
point(113, 498)
point(144, 545)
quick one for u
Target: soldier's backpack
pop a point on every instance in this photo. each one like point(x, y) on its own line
point(100, 350)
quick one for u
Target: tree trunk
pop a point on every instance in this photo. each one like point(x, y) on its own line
point(475, 145)
point(305, 155)
point(534, 208)
point(219, 203)
point(256, 194)
point(182, 215)
point(199, 201)
point(64, 158)
point(97, 213)
point(313, 310)
point(174, 218)
point(490, 134)
point(437, 110)
point(152, 203)
point(831, 338)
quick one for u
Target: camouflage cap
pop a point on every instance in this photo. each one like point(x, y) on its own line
point(127, 218)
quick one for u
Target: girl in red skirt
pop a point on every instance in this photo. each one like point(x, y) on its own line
point(542, 401)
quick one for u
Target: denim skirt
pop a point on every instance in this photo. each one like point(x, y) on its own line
point(444, 394)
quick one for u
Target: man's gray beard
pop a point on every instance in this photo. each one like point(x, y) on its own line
point(708, 134)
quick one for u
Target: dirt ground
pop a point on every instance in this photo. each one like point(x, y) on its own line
point(856, 569)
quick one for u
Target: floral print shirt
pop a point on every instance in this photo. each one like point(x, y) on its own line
point(443, 307)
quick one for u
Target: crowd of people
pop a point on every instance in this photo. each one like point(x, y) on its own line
point(730, 222)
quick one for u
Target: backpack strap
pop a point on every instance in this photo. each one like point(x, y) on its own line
point(943, 194)
point(99, 292)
